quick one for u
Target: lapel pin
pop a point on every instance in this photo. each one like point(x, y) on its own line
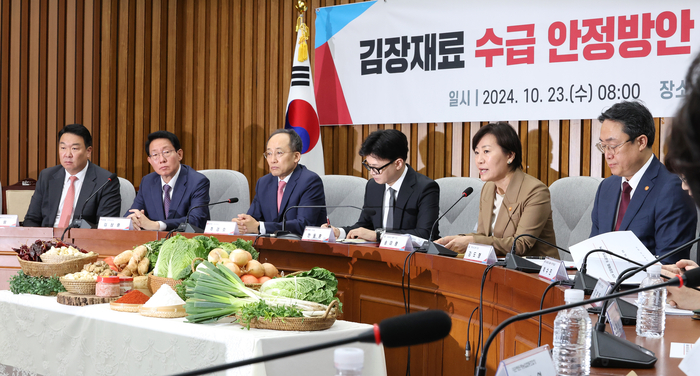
point(646, 188)
point(510, 208)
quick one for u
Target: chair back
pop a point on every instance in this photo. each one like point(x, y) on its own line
point(17, 197)
point(128, 193)
point(462, 219)
point(225, 184)
point(343, 190)
point(572, 204)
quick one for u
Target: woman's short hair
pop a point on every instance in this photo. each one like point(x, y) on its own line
point(506, 138)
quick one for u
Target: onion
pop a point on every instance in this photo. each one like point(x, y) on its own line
point(240, 257)
point(233, 267)
point(255, 269)
point(270, 270)
point(216, 255)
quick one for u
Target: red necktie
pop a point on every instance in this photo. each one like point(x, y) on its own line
point(280, 193)
point(624, 202)
point(67, 210)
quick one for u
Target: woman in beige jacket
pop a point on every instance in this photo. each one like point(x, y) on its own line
point(512, 202)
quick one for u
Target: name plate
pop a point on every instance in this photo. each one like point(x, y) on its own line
point(534, 362)
point(481, 253)
point(9, 220)
point(114, 223)
point(553, 270)
point(318, 234)
point(602, 287)
point(615, 319)
point(400, 242)
point(221, 228)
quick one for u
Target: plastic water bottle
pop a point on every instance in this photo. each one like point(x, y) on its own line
point(571, 351)
point(348, 361)
point(651, 306)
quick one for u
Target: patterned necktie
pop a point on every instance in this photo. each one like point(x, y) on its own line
point(280, 193)
point(624, 202)
point(166, 200)
point(392, 203)
point(67, 210)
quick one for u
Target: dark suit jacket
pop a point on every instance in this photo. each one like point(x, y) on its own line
point(416, 209)
point(304, 188)
point(191, 189)
point(44, 205)
point(526, 209)
point(660, 213)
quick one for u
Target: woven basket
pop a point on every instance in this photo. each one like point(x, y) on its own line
point(43, 269)
point(169, 312)
point(57, 259)
point(154, 282)
point(125, 307)
point(79, 287)
point(300, 324)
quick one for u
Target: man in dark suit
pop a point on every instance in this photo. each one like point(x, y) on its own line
point(642, 196)
point(396, 188)
point(173, 188)
point(288, 184)
point(61, 190)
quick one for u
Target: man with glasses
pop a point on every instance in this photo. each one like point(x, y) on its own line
point(641, 196)
point(62, 191)
point(166, 195)
point(397, 198)
point(288, 184)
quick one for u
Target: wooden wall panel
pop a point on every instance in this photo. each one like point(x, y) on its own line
point(216, 73)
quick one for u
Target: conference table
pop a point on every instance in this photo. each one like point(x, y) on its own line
point(370, 288)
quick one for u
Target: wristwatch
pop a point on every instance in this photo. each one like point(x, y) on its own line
point(380, 232)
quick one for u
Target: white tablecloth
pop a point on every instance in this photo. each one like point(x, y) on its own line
point(39, 335)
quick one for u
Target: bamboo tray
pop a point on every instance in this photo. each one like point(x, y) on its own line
point(43, 269)
point(125, 307)
point(167, 312)
point(300, 324)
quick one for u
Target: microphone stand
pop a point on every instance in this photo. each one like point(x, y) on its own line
point(80, 222)
point(515, 262)
point(604, 344)
point(187, 227)
point(438, 249)
point(586, 282)
point(481, 370)
point(284, 234)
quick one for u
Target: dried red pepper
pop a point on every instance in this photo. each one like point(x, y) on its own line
point(133, 297)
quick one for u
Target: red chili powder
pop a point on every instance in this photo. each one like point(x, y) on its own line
point(133, 297)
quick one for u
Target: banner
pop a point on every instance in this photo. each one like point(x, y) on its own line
point(410, 61)
point(301, 106)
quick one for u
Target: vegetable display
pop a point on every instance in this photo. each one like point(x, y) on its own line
point(21, 283)
point(316, 285)
point(31, 252)
point(177, 254)
point(214, 292)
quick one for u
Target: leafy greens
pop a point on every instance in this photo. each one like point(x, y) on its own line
point(177, 254)
point(316, 285)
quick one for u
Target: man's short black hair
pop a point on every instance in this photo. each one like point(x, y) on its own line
point(162, 134)
point(294, 139)
point(506, 138)
point(78, 130)
point(388, 144)
point(635, 118)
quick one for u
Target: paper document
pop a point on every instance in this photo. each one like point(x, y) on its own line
point(608, 267)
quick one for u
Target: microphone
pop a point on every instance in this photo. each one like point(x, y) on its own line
point(586, 282)
point(405, 330)
point(521, 264)
point(187, 227)
point(646, 360)
point(284, 234)
point(80, 222)
point(438, 249)
point(604, 345)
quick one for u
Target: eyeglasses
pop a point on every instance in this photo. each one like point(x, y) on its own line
point(683, 180)
point(603, 148)
point(278, 153)
point(165, 153)
point(376, 170)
